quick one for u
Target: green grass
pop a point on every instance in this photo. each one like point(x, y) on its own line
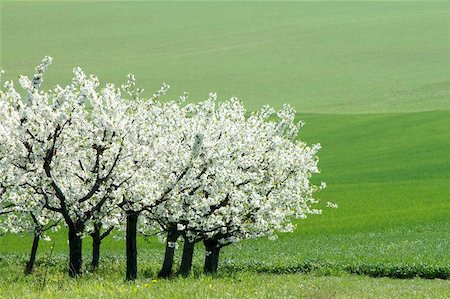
point(242, 285)
point(323, 57)
point(370, 79)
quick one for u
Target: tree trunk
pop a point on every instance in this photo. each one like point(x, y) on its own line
point(131, 245)
point(30, 264)
point(96, 241)
point(211, 256)
point(75, 253)
point(216, 259)
point(186, 260)
point(166, 271)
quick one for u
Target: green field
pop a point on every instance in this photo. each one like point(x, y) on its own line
point(370, 79)
point(322, 57)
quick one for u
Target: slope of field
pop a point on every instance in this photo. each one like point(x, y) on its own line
point(322, 57)
point(370, 79)
point(390, 175)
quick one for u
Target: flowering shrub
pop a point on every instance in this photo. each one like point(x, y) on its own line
point(100, 158)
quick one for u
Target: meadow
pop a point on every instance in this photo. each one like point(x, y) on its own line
point(371, 82)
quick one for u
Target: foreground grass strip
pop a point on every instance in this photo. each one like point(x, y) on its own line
point(242, 285)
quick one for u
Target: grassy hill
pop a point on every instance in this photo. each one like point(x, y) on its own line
point(322, 57)
point(389, 173)
point(370, 79)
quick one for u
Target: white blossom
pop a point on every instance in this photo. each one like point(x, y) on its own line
point(332, 205)
point(87, 154)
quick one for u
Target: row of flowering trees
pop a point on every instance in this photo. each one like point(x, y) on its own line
point(97, 159)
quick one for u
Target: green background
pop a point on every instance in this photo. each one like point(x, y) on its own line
point(370, 79)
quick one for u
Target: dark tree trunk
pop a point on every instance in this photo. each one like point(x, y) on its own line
point(216, 259)
point(186, 260)
point(30, 264)
point(209, 248)
point(131, 229)
point(166, 271)
point(96, 241)
point(97, 237)
point(75, 253)
point(211, 256)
